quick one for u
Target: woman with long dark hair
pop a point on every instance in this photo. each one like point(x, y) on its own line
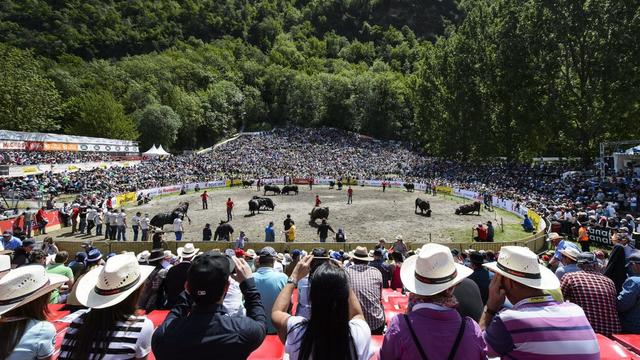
point(336, 329)
point(111, 329)
point(25, 332)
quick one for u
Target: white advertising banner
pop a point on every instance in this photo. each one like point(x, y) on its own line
point(24, 170)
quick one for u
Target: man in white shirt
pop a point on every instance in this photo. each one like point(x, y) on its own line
point(98, 221)
point(135, 225)
point(144, 226)
point(91, 218)
point(121, 225)
point(177, 227)
point(107, 224)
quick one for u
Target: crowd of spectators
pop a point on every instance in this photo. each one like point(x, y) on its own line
point(469, 305)
point(13, 157)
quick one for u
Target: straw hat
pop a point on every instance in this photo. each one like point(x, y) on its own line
point(571, 253)
point(113, 282)
point(25, 284)
point(143, 256)
point(5, 265)
point(554, 236)
point(361, 253)
point(521, 265)
point(432, 271)
point(188, 251)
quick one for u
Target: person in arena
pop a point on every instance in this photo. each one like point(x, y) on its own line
point(229, 205)
point(269, 233)
point(111, 328)
point(199, 326)
point(178, 227)
point(349, 195)
point(323, 230)
point(317, 201)
point(433, 329)
point(527, 224)
point(288, 222)
point(205, 200)
point(336, 328)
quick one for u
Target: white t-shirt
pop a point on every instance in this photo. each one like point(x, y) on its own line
point(36, 342)
point(135, 221)
point(360, 333)
point(177, 224)
point(112, 218)
point(120, 219)
point(233, 299)
point(97, 219)
point(91, 214)
point(144, 223)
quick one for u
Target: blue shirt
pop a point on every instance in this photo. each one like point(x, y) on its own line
point(561, 270)
point(527, 224)
point(628, 305)
point(562, 245)
point(269, 283)
point(36, 342)
point(12, 244)
point(269, 234)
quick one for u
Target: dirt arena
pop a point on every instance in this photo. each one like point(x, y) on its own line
point(373, 214)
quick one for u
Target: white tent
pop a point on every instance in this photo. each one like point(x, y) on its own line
point(161, 151)
point(152, 152)
point(634, 150)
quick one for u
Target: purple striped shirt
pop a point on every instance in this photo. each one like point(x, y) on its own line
point(540, 327)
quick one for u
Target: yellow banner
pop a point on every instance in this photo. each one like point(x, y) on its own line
point(236, 182)
point(56, 146)
point(30, 170)
point(350, 182)
point(444, 190)
point(535, 219)
point(126, 198)
point(102, 166)
point(72, 168)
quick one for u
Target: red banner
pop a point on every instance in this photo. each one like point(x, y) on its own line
point(55, 222)
point(34, 146)
point(12, 145)
point(301, 181)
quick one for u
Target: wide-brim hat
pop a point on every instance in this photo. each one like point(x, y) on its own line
point(5, 265)
point(361, 253)
point(571, 253)
point(22, 285)
point(432, 271)
point(554, 236)
point(156, 254)
point(188, 251)
point(399, 237)
point(521, 265)
point(109, 284)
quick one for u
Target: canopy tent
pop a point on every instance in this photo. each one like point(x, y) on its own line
point(634, 150)
point(152, 152)
point(161, 151)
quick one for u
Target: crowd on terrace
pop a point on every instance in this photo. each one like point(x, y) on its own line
point(12, 157)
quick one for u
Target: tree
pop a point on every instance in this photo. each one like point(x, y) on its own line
point(99, 114)
point(158, 124)
point(29, 100)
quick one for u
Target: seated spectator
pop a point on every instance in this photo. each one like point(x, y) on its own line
point(198, 326)
point(537, 326)
point(396, 266)
point(21, 254)
point(152, 296)
point(49, 247)
point(268, 281)
point(37, 257)
point(94, 259)
point(481, 276)
point(336, 328)
point(527, 224)
point(594, 293)
point(78, 264)
point(569, 262)
point(560, 244)
point(366, 282)
point(177, 274)
point(384, 268)
point(482, 233)
point(59, 267)
point(111, 328)
point(433, 329)
point(24, 329)
point(628, 303)
point(10, 242)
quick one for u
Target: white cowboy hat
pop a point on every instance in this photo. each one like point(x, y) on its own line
point(554, 236)
point(361, 253)
point(432, 271)
point(571, 253)
point(143, 256)
point(109, 284)
point(521, 265)
point(188, 251)
point(5, 265)
point(398, 237)
point(25, 284)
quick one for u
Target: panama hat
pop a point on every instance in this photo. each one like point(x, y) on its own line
point(571, 253)
point(143, 256)
point(361, 253)
point(521, 265)
point(554, 236)
point(109, 284)
point(432, 271)
point(25, 284)
point(5, 265)
point(188, 251)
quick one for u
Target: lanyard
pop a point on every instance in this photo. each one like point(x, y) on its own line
point(534, 300)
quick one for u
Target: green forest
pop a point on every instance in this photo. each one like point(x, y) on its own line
point(467, 78)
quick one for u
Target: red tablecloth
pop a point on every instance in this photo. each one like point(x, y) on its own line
point(271, 349)
point(611, 350)
point(631, 341)
point(157, 316)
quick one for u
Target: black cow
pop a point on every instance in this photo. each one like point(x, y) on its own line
point(469, 208)
point(265, 203)
point(409, 187)
point(223, 231)
point(247, 183)
point(424, 206)
point(273, 188)
point(290, 188)
point(254, 206)
point(319, 213)
point(165, 218)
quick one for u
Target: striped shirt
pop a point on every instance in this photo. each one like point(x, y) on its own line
point(129, 340)
point(540, 327)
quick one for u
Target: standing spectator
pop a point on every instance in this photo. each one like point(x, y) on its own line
point(396, 266)
point(323, 230)
point(152, 297)
point(229, 209)
point(65, 213)
point(111, 328)
point(336, 326)
point(594, 293)
point(91, 218)
point(97, 220)
point(144, 227)
point(399, 246)
point(135, 225)
point(268, 281)
point(82, 218)
point(616, 269)
point(480, 275)
point(59, 267)
point(21, 254)
point(269, 233)
point(583, 237)
point(177, 227)
point(206, 232)
point(384, 268)
point(432, 328)
point(75, 211)
point(569, 262)
point(28, 218)
point(628, 301)
point(382, 243)
point(199, 326)
point(240, 241)
point(24, 295)
point(205, 200)
point(121, 223)
point(107, 224)
point(42, 220)
point(537, 325)
point(177, 274)
point(287, 224)
point(349, 195)
point(366, 283)
point(113, 224)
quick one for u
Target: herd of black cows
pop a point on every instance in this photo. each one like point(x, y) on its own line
point(257, 203)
